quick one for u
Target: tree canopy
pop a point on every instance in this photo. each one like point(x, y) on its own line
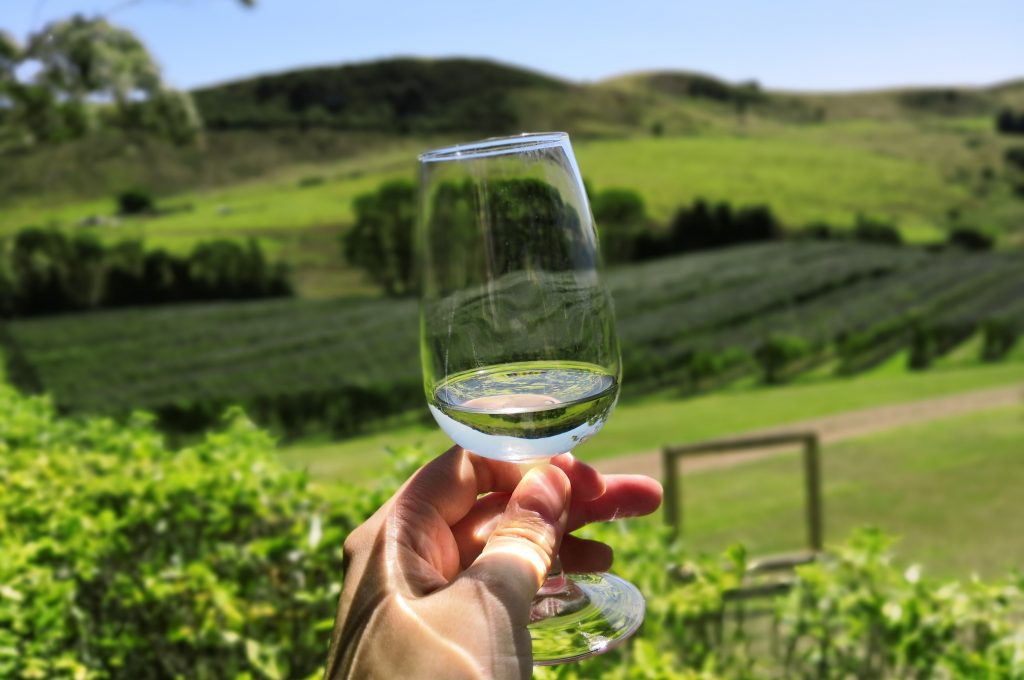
point(88, 71)
point(79, 57)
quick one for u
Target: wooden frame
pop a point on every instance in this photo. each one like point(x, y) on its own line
point(670, 456)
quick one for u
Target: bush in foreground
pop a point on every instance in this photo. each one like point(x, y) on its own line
point(122, 558)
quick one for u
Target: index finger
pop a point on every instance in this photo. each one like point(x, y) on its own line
point(450, 483)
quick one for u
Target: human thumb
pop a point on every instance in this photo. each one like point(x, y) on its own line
point(517, 556)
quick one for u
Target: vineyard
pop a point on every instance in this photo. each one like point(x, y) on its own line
point(695, 322)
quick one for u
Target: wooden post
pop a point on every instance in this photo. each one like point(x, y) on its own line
point(670, 482)
point(812, 477)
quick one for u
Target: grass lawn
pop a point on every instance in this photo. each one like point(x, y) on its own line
point(950, 489)
point(825, 172)
point(659, 419)
point(801, 176)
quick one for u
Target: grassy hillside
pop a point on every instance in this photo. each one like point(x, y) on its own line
point(394, 95)
point(924, 178)
point(803, 177)
point(805, 174)
point(286, 153)
point(466, 95)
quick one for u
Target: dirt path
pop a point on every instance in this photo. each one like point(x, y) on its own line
point(832, 428)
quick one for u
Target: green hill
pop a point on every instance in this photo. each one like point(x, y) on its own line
point(285, 154)
point(395, 95)
point(406, 96)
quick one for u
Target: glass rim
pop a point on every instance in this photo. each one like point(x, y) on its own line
point(496, 146)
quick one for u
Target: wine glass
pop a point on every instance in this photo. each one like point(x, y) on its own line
point(517, 337)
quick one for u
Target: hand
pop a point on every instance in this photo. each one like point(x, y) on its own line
point(439, 581)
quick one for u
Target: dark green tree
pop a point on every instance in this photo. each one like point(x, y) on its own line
point(1009, 122)
point(380, 242)
point(778, 354)
point(873, 230)
point(10, 56)
point(970, 239)
point(1000, 336)
point(78, 57)
point(621, 217)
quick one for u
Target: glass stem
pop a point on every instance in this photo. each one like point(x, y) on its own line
point(558, 596)
point(556, 581)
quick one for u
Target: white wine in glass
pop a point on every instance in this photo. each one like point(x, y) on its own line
point(517, 336)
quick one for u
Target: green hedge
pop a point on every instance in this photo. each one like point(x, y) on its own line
point(48, 271)
point(123, 558)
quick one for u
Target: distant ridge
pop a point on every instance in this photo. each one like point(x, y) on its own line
point(393, 95)
point(415, 96)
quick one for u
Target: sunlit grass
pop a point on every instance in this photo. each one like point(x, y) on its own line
point(801, 176)
point(809, 173)
point(949, 489)
point(653, 422)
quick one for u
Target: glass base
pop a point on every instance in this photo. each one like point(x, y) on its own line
point(587, 615)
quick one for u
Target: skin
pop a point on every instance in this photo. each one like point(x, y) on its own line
point(439, 581)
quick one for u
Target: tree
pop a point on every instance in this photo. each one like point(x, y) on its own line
point(79, 57)
point(621, 217)
point(702, 227)
point(380, 242)
point(873, 230)
point(175, 117)
point(778, 354)
point(1009, 122)
point(970, 239)
point(10, 56)
point(81, 64)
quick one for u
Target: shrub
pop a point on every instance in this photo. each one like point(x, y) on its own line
point(621, 216)
point(854, 614)
point(123, 558)
point(872, 230)
point(1014, 157)
point(48, 272)
point(173, 115)
point(380, 242)
point(863, 349)
point(1009, 122)
point(705, 365)
point(1000, 336)
point(702, 226)
point(135, 201)
point(311, 181)
point(970, 239)
point(923, 347)
point(778, 354)
point(819, 231)
point(8, 290)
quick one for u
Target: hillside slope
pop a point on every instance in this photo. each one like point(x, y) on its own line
point(394, 95)
point(464, 95)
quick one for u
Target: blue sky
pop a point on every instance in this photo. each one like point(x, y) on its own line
point(807, 45)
